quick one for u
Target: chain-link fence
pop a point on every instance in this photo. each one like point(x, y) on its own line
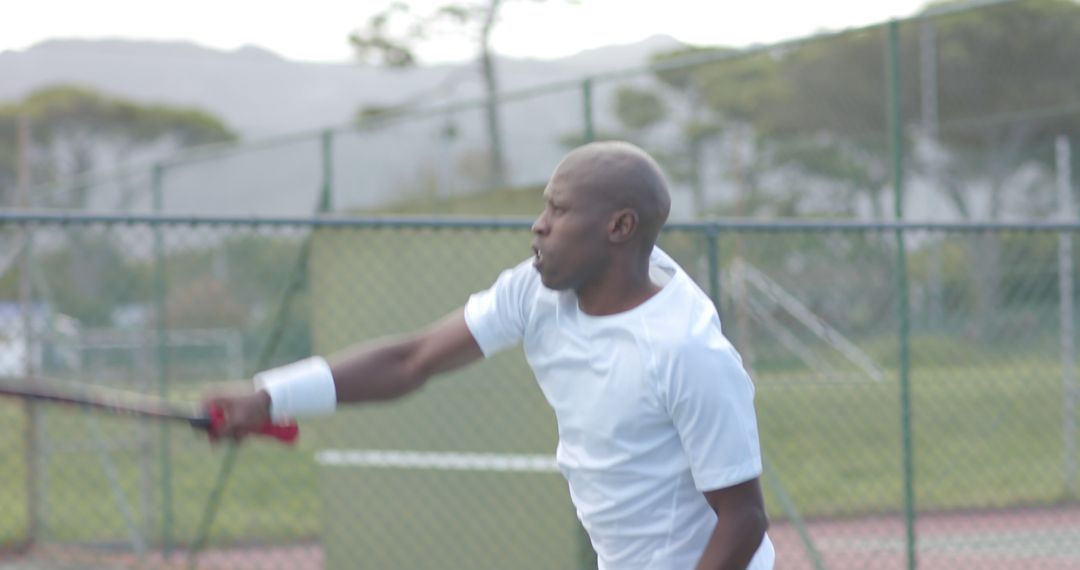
point(946, 427)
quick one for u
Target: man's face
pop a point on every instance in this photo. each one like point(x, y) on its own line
point(570, 236)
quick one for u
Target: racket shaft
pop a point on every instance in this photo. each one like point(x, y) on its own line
point(107, 404)
point(142, 406)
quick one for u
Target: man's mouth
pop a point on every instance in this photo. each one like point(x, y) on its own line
point(538, 257)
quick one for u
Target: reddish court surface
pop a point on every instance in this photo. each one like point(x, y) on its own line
point(1036, 539)
point(1044, 538)
point(298, 557)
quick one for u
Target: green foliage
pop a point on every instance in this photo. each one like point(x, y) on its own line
point(9, 151)
point(369, 114)
point(60, 111)
point(575, 139)
point(379, 40)
point(512, 202)
point(956, 272)
point(837, 85)
point(1005, 78)
point(831, 158)
point(997, 60)
point(638, 109)
point(72, 127)
point(684, 78)
point(745, 89)
point(1007, 59)
point(1034, 269)
point(91, 278)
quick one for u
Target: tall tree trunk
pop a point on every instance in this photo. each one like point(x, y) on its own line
point(494, 129)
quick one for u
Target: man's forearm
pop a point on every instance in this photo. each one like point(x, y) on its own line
point(379, 370)
point(391, 367)
point(734, 541)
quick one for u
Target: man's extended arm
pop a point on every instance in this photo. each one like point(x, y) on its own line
point(389, 368)
point(740, 527)
point(377, 370)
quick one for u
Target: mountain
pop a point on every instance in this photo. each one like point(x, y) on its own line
point(259, 93)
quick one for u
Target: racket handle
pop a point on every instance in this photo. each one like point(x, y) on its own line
point(285, 433)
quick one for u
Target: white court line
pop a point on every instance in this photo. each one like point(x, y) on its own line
point(389, 458)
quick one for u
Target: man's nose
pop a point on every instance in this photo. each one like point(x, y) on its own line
point(540, 226)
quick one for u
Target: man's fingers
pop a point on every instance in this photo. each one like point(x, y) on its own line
point(235, 415)
point(237, 420)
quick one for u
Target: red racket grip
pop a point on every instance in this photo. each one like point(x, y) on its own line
point(285, 433)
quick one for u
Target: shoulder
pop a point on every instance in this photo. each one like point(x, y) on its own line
point(685, 319)
point(521, 278)
point(514, 292)
point(694, 338)
point(498, 316)
point(687, 333)
point(698, 362)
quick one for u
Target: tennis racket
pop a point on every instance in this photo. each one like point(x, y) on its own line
point(118, 402)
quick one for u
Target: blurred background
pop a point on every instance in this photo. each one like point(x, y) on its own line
point(878, 196)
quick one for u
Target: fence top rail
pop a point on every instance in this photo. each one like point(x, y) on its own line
point(714, 226)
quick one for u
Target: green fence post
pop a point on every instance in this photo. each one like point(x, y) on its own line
point(713, 251)
point(896, 142)
point(770, 474)
point(586, 107)
point(326, 194)
point(32, 412)
point(792, 513)
point(162, 359)
point(1063, 162)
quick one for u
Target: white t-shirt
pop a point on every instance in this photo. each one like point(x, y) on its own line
point(653, 407)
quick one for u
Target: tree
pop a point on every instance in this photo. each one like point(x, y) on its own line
point(1004, 82)
point(1001, 71)
point(1005, 86)
point(819, 109)
point(395, 47)
point(73, 130)
point(638, 109)
point(720, 100)
point(758, 104)
point(206, 302)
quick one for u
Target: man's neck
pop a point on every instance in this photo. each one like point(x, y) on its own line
point(616, 292)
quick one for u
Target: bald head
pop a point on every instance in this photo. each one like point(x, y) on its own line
point(619, 175)
point(603, 209)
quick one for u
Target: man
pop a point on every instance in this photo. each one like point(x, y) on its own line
point(657, 432)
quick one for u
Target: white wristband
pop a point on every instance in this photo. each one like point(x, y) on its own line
point(303, 388)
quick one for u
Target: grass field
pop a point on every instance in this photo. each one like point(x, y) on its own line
point(980, 442)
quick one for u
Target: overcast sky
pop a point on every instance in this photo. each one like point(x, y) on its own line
point(316, 30)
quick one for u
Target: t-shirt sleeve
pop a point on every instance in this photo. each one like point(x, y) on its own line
point(710, 398)
point(497, 316)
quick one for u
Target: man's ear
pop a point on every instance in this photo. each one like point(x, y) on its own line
point(623, 225)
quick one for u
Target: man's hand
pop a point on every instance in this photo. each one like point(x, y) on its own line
point(243, 413)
